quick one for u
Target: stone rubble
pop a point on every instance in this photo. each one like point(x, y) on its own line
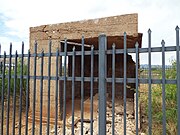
point(119, 122)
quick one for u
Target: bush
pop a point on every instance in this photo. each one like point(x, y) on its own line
point(171, 103)
point(12, 80)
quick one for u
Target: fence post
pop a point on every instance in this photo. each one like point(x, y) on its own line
point(125, 79)
point(102, 84)
point(149, 85)
point(178, 76)
point(8, 90)
point(163, 88)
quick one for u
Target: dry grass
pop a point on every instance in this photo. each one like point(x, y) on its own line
point(171, 121)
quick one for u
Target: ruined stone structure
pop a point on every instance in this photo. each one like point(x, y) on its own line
point(113, 27)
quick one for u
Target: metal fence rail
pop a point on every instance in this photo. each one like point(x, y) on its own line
point(23, 80)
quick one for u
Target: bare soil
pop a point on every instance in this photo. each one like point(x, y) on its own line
point(119, 109)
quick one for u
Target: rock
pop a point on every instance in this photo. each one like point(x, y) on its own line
point(119, 109)
point(130, 116)
point(53, 131)
point(109, 104)
point(120, 113)
point(118, 122)
point(17, 125)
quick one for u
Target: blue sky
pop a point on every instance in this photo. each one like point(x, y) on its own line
point(4, 30)
point(16, 16)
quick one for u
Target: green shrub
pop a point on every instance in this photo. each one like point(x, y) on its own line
point(171, 103)
point(12, 80)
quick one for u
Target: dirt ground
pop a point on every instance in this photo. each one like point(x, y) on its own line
point(119, 109)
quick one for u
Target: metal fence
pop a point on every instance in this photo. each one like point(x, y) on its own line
point(7, 89)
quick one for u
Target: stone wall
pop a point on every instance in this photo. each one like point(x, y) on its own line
point(112, 26)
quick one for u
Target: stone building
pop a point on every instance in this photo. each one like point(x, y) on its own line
point(113, 27)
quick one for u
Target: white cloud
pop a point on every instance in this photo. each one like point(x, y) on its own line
point(16, 45)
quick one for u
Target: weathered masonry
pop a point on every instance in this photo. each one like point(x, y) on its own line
point(114, 27)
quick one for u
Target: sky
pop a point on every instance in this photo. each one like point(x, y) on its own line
point(17, 16)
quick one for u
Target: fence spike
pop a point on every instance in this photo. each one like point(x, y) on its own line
point(137, 44)
point(74, 48)
point(42, 50)
point(177, 28)
point(82, 36)
point(57, 50)
point(10, 45)
point(162, 42)
point(35, 42)
point(149, 31)
point(113, 46)
point(92, 47)
point(50, 42)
